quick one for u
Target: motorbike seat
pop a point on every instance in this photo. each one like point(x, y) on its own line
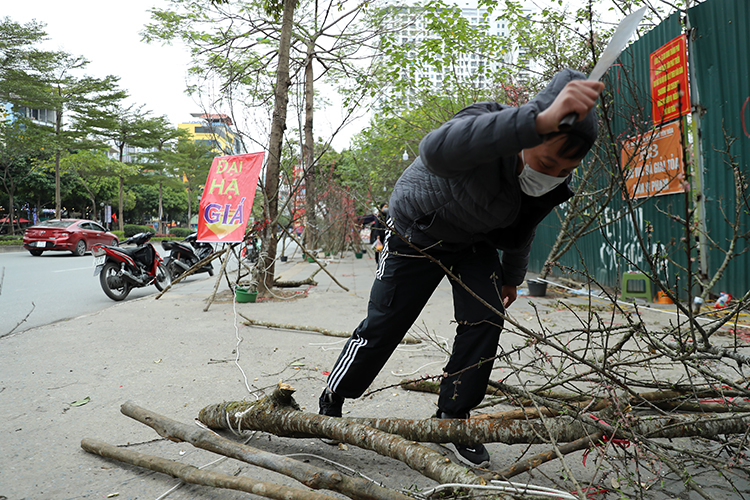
point(143, 255)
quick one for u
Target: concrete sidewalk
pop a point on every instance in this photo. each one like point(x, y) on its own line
point(170, 356)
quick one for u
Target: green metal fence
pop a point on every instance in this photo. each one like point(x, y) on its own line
point(718, 44)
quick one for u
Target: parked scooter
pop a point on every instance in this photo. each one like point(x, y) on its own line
point(251, 249)
point(122, 269)
point(183, 256)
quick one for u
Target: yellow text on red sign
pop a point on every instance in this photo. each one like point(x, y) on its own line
point(670, 93)
point(652, 163)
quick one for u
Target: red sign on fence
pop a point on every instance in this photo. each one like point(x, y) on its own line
point(670, 93)
point(653, 163)
point(227, 199)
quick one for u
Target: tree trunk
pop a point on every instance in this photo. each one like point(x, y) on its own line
point(308, 153)
point(161, 210)
point(309, 475)
point(58, 153)
point(11, 212)
point(273, 166)
point(121, 209)
point(273, 414)
point(279, 414)
point(120, 223)
point(190, 206)
point(58, 196)
point(193, 475)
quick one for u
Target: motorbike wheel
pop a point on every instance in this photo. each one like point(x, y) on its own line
point(114, 286)
point(174, 270)
point(163, 278)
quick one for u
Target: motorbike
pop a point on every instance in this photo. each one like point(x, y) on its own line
point(121, 269)
point(183, 256)
point(251, 249)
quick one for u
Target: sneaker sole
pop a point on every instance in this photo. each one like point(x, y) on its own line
point(462, 459)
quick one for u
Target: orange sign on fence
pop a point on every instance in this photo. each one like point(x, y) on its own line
point(653, 163)
point(227, 199)
point(670, 93)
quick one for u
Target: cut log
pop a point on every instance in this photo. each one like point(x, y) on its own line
point(313, 477)
point(277, 414)
point(194, 475)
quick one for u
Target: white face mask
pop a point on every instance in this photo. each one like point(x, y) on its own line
point(535, 183)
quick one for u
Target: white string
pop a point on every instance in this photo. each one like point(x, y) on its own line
point(333, 463)
point(237, 346)
point(442, 341)
point(504, 486)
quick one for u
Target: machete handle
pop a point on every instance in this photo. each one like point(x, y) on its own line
point(567, 122)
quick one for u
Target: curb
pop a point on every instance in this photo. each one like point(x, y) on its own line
point(11, 248)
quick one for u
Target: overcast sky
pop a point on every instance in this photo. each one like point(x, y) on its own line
point(106, 33)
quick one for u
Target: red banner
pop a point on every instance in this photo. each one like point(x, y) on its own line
point(653, 163)
point(228, 197)
point(670, 92)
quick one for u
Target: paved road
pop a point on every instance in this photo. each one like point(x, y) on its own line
point(52, 287)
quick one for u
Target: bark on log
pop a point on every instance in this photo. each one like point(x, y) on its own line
point(310, 476)
point(295, 284)
point(562, 429)
point(310, 280)
point(193, 475)
point(305, 328)
point(276, 414)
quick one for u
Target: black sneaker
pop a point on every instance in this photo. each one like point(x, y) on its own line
point(475, 455)
point(330, 403)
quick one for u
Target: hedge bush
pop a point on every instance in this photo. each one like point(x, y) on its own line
point(180, 232)
point(133, 229)
point(120, 234)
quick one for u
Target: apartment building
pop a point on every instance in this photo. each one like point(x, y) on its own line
point(214, 130)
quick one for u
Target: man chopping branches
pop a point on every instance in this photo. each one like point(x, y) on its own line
point(482, 182)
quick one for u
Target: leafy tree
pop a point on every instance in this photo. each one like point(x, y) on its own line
point(21, 148)
point(297, 40)
point(190, 162)
point(96, 172)
point(162, 133)
point(124, 126)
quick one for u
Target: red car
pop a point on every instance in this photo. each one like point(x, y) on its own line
point(73, 235)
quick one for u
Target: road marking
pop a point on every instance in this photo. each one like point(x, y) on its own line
point(74, 269)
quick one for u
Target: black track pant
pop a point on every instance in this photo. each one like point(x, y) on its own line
point(404, 282)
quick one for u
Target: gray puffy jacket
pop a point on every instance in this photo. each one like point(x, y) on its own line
point(463, 188)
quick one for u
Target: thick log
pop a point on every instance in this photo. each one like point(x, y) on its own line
point(310, 476)
point(310, 280)
point(562, 429)
point(277, 415)
point(295, 284)
point(193, 475)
